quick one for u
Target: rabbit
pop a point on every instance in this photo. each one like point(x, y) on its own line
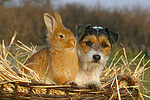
point(58, 61)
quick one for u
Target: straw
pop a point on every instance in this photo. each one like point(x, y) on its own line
point(118, 80)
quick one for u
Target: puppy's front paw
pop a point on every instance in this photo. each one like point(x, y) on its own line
point(71, 83)
point(95, 85)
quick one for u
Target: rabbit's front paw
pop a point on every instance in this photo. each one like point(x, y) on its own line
point(71, 83)
point(94, 85)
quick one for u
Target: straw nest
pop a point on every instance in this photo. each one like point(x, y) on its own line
point(119, 82)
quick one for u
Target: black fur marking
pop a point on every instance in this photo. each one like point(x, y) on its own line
point(84, 30)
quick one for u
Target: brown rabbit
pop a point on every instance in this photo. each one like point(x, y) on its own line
point(59, 61)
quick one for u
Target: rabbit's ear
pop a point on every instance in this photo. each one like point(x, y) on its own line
point(50, 22)
point(58, 17)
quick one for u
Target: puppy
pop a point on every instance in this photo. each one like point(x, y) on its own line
point(95, 44)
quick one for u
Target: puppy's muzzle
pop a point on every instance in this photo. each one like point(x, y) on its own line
point(96, 58)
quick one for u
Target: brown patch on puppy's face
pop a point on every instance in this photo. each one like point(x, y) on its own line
point(100, 43)
point(88, 42)
point(105, 45)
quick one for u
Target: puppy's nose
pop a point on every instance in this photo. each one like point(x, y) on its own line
point(96, 58)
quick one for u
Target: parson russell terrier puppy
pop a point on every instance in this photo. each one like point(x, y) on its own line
point(95, 43)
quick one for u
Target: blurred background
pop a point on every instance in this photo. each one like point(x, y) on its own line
point(129, 18)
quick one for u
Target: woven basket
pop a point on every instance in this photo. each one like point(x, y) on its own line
point(118, 81)
point(23, 90)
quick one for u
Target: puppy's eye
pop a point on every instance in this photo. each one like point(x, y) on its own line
point(61, 36)
point(104, 45)
point(88, 43)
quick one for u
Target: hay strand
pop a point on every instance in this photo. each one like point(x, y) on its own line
point(118, 80)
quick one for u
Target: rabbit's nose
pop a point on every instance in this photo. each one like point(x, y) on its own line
point(70, 43)
point(73, 42)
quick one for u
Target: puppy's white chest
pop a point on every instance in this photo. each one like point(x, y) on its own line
point(84, 77)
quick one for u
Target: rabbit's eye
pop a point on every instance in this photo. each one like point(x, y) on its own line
point(61, 36)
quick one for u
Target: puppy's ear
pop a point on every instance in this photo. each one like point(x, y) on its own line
point(113, 36)
point(80, 29)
